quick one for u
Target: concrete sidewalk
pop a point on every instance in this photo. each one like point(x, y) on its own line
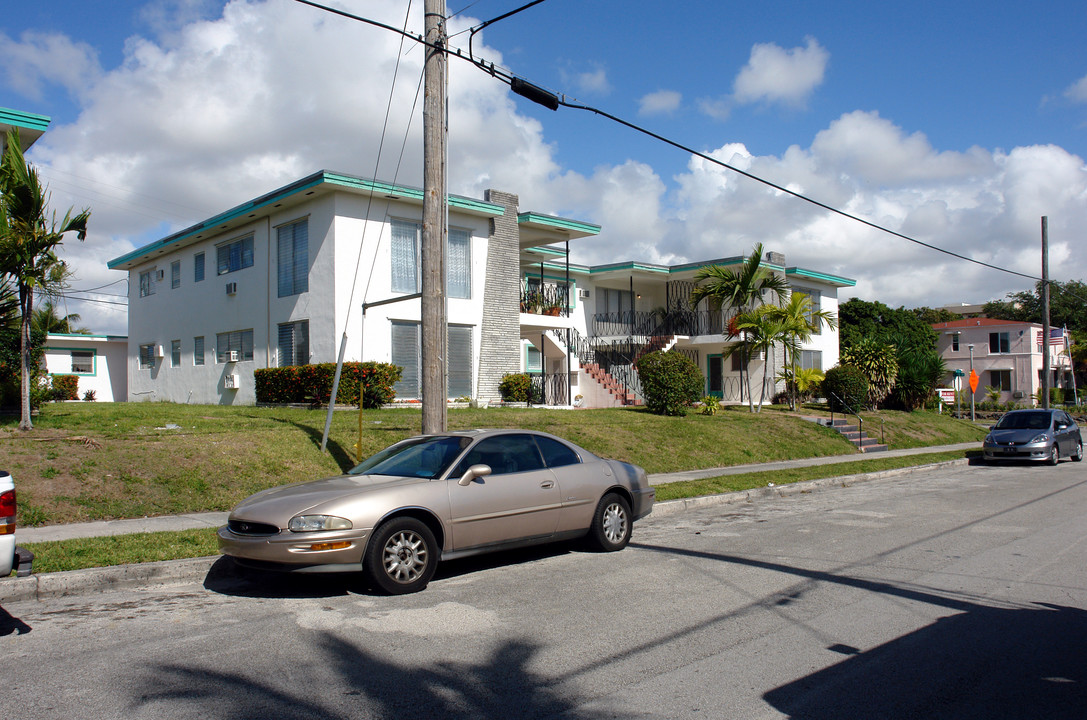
point(216, 519)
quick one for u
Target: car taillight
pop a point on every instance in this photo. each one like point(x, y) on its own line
point(7, 512)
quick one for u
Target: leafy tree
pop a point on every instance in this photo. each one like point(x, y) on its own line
point(860, 319)
point(1067, 305)
point(879, 363)
point(931, 316)
point(742, 289)
point(761, 331)
point(29, 238)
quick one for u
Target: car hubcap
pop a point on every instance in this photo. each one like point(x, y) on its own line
point(405, 557)
point(615, 523)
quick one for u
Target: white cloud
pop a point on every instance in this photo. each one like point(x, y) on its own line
point(662, 102)
point(1077, 91)
point(36, 60)
point(593, 81)
point(776, 75)
point(220, 110)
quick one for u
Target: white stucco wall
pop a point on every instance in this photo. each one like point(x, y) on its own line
point(108, 379)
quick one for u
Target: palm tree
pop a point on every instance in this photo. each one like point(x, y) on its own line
point(29, 238)
point(802, 321)
point(725, 287)
point(761, 331)
point(47, 319)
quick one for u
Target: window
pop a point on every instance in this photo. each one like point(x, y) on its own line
point(458, 264)
point(406, 253)
point(555, 453)
point(83, 362)
point(175, 274)
point(998, 343)
point(406, 354)
point(147, 284)
point(1001, 378)
point(294, 343)
point(614, 301)
point(234, 256)
point(175, 353)
point(239, 341)
point(955, 342)
point(811, 360)
point(816, 298)
point(504, 454)
point(198, 350)
point(738, 361)
point(533, 360)
point(198, 267)
point(147, 356)
point(293, 258)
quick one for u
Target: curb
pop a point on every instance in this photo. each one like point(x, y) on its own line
point(174, 572)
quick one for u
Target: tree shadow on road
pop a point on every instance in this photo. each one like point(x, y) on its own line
point(371, 685)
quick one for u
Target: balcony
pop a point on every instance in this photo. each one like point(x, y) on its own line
point(552, 300)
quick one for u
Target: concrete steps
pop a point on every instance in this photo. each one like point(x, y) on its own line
point(853, 434)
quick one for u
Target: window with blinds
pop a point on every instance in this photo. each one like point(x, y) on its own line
point(233, 256)
point(175, 274)
point(293, 254)
point(198, 267)
point(406, 258)
point(198, 350)
point(406, 353)
point(294, 343)
point(240, 341)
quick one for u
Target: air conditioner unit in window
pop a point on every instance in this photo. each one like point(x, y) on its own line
point(159, 352)
point(232, 356)
point(160, 275)
point(582, 293)
point(231, 288)
point(230, 382)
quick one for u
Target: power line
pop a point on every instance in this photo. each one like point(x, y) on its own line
point(554, 100)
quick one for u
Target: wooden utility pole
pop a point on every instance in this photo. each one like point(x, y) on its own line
point(1045, 312)
point(435, 132)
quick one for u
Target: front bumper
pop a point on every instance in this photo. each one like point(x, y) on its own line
point(297, 552)
point(1032, 451)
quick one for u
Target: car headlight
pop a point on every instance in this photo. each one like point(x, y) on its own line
point(1040, 438)
point(313, 523)
point(988, 439)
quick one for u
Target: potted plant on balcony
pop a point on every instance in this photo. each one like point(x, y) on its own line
point(553, 308)
point(532, 303)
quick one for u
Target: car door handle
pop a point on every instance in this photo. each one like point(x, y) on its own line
point(547, 484)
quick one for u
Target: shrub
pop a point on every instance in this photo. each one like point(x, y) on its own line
point(670, 382)
point(313, 383)
point(65, 387)
point(88, 396)
point(515, 387)
point(710, 405)
point(846, 388)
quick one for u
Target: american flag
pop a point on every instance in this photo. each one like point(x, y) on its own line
point(1056, 336)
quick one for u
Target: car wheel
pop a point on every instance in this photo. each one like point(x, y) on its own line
point(1078, 454)
point(1054, 455)
point(611, 523)
point(402, 556)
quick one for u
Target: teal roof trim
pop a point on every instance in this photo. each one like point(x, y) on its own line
point(307, 183)
point(559, 223)
point(24, 119)
point(629, 266)
point(824, 277)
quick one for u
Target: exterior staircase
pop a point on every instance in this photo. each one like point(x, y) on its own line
point(853, 434)
point(613, 386)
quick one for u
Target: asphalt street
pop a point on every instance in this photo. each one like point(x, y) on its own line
point(957, 592)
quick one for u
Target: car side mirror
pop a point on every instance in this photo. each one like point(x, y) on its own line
point(992, 427)
point(476, 471)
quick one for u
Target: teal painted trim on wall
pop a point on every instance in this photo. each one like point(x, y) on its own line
point(31, 121)
point(833, 279)
point(628, 266)
point(94, 360)
point(557, 222)
point(307, 183)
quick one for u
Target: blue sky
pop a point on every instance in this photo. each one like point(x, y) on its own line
point(959, 124)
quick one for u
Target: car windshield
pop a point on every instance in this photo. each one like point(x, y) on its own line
point(1024, 421)
point(423, 457)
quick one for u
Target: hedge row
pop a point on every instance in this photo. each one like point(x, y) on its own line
point(313, 383)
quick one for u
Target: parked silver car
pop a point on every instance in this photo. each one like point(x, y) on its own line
point(1044, 435)
point(437, 497)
